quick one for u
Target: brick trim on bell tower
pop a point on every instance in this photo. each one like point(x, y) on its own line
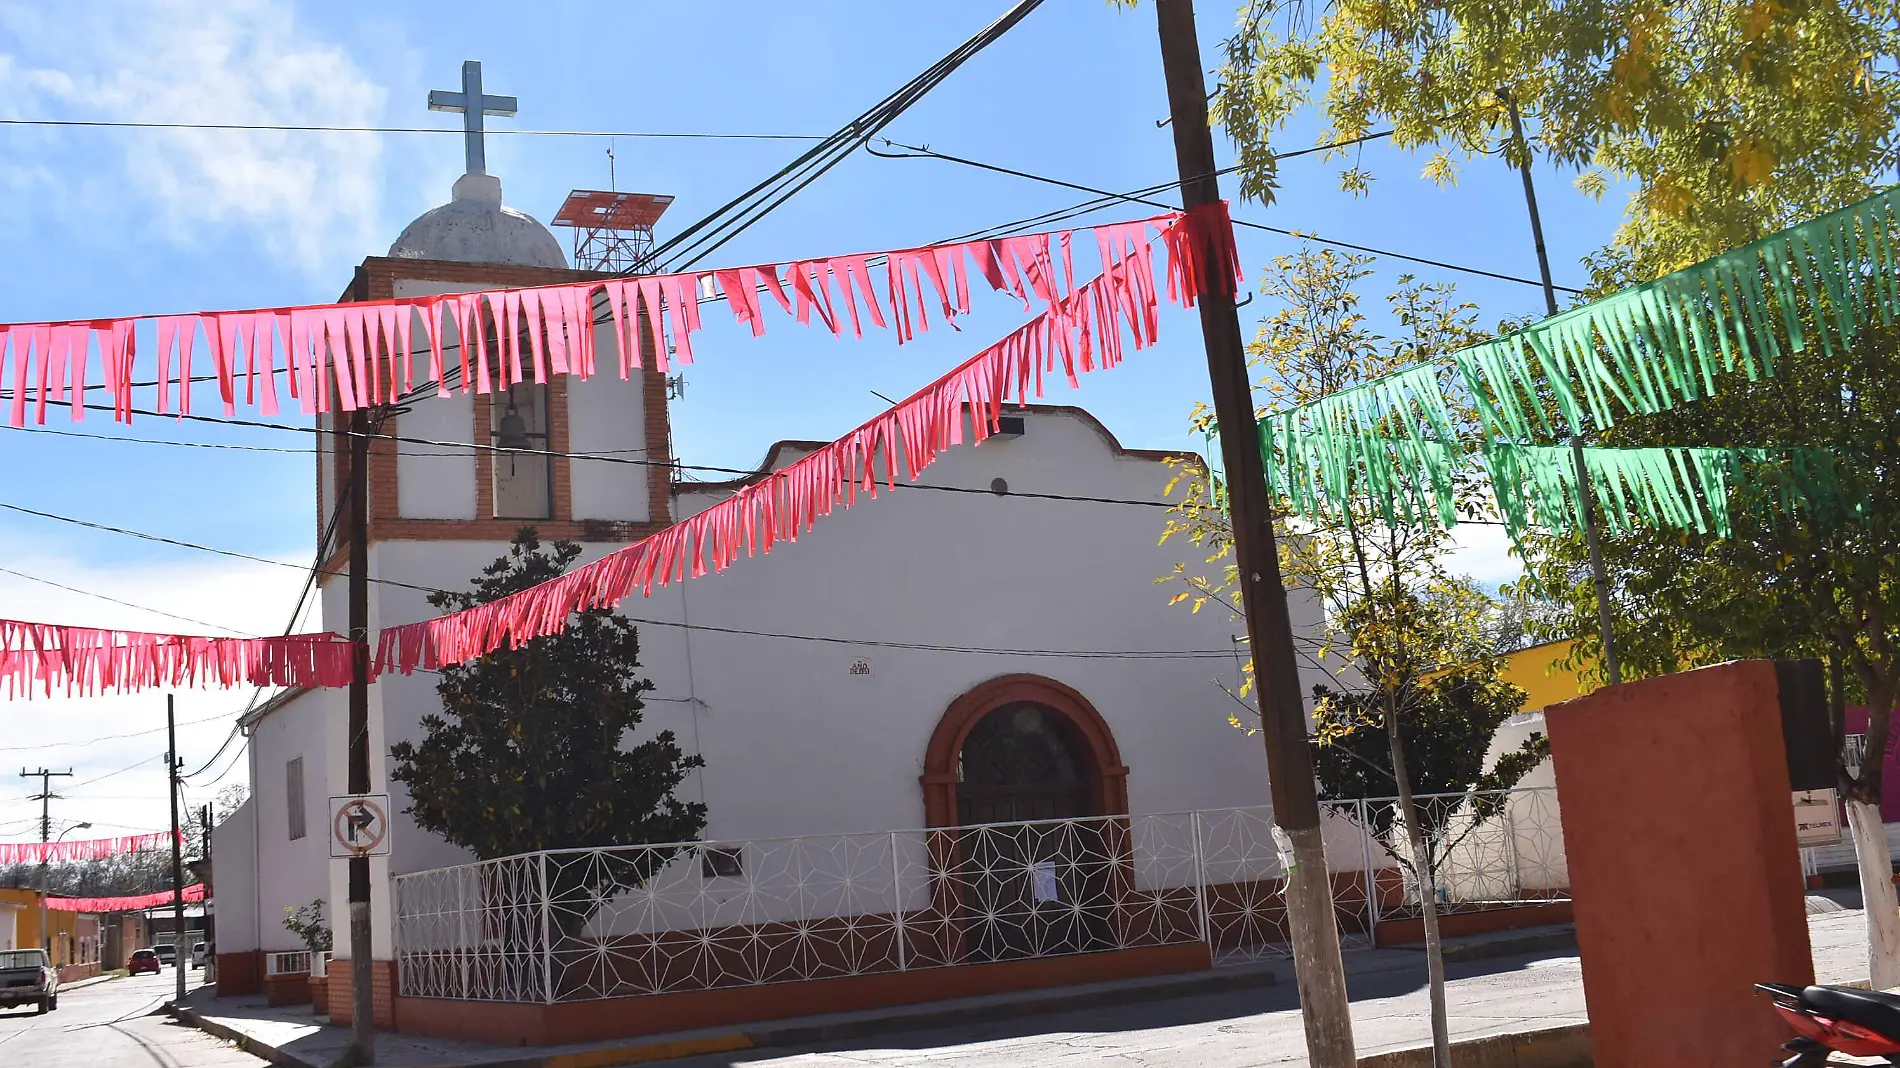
point(386, 522)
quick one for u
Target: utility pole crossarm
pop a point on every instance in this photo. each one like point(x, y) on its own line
point(45, 797)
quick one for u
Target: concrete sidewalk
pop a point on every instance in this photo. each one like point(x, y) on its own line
point(1205, 1019)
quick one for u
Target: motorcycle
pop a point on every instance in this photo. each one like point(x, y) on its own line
point(1842, 1019)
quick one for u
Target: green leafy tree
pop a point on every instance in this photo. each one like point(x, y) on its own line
point(1728, 118)
point(531, 751)
point(1817, 579)
point(1394, 619)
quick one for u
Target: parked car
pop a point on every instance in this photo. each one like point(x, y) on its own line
point(27, 979)
point(198, 955)
point(167, 953)
point(143, 960)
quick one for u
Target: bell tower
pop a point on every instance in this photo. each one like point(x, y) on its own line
point(456, 474)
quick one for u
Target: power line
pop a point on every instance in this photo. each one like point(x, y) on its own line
point(1130, 654)
point(232, 553)
point(457, 131)
point(1141, 196)
point(737, 215)
point(104, 738)
point(117, 601)
point(598, 457)
point(309, 583)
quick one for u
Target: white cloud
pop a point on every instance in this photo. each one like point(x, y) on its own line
point(306, 197)
point(118, 782)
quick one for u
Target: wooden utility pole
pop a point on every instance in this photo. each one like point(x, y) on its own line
point(1309, 891)
point(362, 982)
point(1585, 494)
point(45, 798)
point(181, 946)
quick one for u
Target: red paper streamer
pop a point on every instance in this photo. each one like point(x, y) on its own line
point(84, 849)
point(340, 357)
point(191, 894)
point(1080, 331)
point(84, 661)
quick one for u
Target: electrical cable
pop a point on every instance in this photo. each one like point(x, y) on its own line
point(122, 604)
point(232, 553)
point(599, 457)
point(309, 583)
point(104, 738)
point(729, 220)
point(1141, 197)
point(457, 131)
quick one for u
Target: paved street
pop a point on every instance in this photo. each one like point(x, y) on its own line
point(1248, 1028)
point(111, 1025)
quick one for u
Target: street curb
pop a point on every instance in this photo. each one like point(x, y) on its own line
point(806, 1034)
point(923, 1019)
point(1551, 1047)
point(237, 1038)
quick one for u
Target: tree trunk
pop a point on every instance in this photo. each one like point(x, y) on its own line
point(1875, 861)
point(1427, 895)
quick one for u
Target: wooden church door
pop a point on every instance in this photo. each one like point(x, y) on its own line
point(1034, 875)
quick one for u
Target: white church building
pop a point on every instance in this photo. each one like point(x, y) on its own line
point(877, 721)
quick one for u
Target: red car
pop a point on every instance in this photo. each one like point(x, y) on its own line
point(143, 960)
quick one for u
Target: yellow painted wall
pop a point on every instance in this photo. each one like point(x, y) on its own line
point(1537, 670)
point(27, 925)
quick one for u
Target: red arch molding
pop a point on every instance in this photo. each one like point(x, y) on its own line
point(1108, 776)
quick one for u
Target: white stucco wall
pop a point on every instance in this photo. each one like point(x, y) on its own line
point(605, 414)
point(433, 482)
point(234, 880)
point(796, 744)
point(290, 873)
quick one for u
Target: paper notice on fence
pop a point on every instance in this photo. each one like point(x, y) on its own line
point(1042, 880)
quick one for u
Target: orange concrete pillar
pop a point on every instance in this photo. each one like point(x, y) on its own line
point(1679, 830)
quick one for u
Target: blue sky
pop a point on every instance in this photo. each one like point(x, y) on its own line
point(111, 222)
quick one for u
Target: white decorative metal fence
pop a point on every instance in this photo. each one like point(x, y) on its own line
point(574, 925)
point(287, 962)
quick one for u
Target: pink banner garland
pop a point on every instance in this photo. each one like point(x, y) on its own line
point(1079, 332)
point(85, 849)
point(84, 661)
point(191, 894)
point(339, 357)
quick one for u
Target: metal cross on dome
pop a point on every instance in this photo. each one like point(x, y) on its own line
point(473, 105)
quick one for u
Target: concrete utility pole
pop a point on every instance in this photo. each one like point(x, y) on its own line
point(1309, 892)
point(362, 982)
point(45, 798)
point(1586, 496)
point(181, 946)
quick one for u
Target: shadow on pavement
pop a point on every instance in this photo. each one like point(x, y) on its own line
point(1398, 977)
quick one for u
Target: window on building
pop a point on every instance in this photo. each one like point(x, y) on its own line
point(523, 472)
point(293, 797)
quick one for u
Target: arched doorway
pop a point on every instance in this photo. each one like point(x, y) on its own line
point(1023, 761)
point(1019, 766)
point(1084, 732)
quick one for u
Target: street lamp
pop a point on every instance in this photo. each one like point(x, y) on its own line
point(46, 936)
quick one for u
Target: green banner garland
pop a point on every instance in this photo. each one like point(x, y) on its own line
point(1656, 345)
point(1368, 442)
point(1643, 350)
point(1676, 488)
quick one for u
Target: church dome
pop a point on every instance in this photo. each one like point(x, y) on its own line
point(476, 227)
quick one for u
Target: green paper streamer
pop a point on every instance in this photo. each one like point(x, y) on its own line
point(1660, 344)
point(1671, 488)
point(1388, 441)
